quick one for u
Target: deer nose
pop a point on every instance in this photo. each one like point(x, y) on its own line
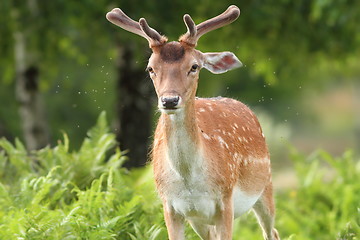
point(170, 102)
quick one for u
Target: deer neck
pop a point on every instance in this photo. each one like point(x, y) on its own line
point(182, 140)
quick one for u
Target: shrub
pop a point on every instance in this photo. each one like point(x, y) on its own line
point(326, 204)
point(55, 193)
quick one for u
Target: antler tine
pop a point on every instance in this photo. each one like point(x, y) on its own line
point(190, 25)
point(120, 19)
point(151, 33)
point(195, 32)
point(141, 28)
point(227, 17)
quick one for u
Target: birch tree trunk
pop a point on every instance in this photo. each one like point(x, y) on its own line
point(31, 107)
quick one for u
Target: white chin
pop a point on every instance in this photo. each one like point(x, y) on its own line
point(169, 111)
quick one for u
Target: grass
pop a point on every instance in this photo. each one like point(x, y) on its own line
point(55, 193)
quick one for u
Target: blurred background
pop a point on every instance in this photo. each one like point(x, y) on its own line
point(62, 63)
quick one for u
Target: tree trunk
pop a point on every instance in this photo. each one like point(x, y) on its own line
point(134, 108)
point(31, 107)
point(34, 125)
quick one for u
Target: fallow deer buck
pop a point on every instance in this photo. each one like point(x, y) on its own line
point(210, 159)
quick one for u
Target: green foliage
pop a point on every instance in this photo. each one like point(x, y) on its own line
point(56, 193)
point(326, 204)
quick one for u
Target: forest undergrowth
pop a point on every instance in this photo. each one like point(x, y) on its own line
point(59, 193)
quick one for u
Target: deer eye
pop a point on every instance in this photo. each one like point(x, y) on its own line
point(150, 70)
point(194, 68)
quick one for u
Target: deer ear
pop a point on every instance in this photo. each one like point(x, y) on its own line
point(220, 62)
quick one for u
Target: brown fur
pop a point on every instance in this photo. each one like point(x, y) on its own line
point(172, 52)
point(249, 173)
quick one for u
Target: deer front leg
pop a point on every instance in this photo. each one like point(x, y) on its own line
point(205, 231)
point(174, 223)
point(225, 220)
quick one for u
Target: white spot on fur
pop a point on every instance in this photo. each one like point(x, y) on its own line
point(207, 137)
point(245, 161)
point(265, 161)
point(231, 166)
point(222, 142)
point(236, 157)
point(202, 110)
point(232, 175)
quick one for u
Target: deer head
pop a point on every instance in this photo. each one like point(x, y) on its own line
point(174, 66)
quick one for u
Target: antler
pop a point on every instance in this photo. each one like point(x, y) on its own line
point(196, 31)
point(141, 28)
